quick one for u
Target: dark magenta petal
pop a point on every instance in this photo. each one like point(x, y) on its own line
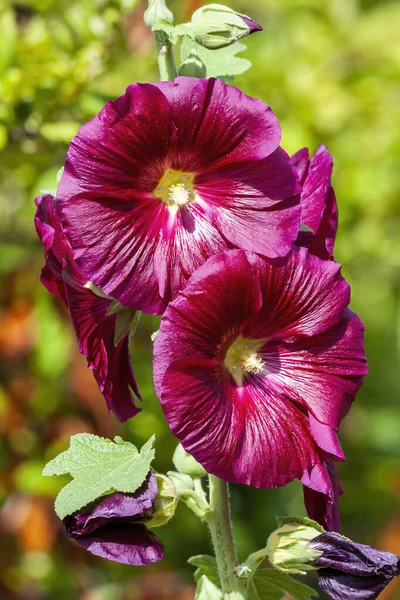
point(128, 543)
point(111, 363)
point(94, 329)
point(318, 202)
point(322, 490)
point(276, 420)
point(127, 240)
point(241, 435)
point(217, 124)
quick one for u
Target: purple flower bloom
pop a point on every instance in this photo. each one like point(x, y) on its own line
point(96, 320)
point(352, 571)
point(113, 528)
point(319, 216)
point(168, 175)
point(256, 363)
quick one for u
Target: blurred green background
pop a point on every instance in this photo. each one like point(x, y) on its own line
point(330, 70)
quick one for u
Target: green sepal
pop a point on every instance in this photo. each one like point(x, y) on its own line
point(223, 63)
point(98, 467)
point(193, 66)
point(157, 12)
point(165, 503)
point(299, 521)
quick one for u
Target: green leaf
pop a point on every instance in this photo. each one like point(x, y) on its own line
point(222, 63)
point(98, 467)
point(206, 567)
point(269, 584)
point(206, 590)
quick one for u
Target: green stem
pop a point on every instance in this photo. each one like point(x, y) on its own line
point(165, 56)
point(219, 522)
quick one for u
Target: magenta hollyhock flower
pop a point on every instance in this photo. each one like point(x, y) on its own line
point(255, 364)
point(168, 175)
point(352, 571)
point(102, 326)
point(114, 527)
point(319, 215)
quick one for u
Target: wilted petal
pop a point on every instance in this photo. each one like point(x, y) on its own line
point(128, 543)
point(353, 571)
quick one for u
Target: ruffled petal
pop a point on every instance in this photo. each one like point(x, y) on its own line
point(217, 124)
point(255, 204)
point(318, 202)
point(341, 586)
point(134, 245)
point(303, 296)
point(322, 489)
point(236, 416)
point(254, 438)
point(111, 363)
point(127, 543)
point(322, 372)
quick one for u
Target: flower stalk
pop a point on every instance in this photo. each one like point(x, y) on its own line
point(219, 522)
point(165, 56)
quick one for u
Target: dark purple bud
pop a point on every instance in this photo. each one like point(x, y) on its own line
point(352, 571)
point(113, 527)
point(252, 25)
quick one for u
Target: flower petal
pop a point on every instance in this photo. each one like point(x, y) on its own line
point(127, 543)
point(322, 489)
point(318, 202)
point(255, 439)
point(341, 586)
point(111, 363)
point(217, 124)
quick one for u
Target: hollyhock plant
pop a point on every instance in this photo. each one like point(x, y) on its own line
point(102, 326)
point(168, 175)
point(319, 215)
point(352, 571)
point(114, 529)
point(255, 379)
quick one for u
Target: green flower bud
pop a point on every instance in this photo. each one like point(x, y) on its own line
point(215, 26)
point(185, 463)
point(157, 12)
point(287, 546)
point(165, 503)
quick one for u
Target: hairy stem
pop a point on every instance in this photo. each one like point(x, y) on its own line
point(219, 522)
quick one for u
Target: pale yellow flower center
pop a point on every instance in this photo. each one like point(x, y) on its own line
point(242, 357)
point(175, 188)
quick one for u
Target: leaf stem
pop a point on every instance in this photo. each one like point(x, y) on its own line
point(165, 56)
point(219, 522)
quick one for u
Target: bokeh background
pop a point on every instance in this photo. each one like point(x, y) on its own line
point(330, 70)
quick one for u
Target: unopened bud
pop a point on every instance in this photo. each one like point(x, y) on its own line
point(185, 463)
point(215, 26)
point(288, 550)
point(156, 12)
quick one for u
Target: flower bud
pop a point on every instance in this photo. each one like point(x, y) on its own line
point(287, 547)
point(215, 26)
point(165, 503)
point(156, 12)
point(185, 463)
